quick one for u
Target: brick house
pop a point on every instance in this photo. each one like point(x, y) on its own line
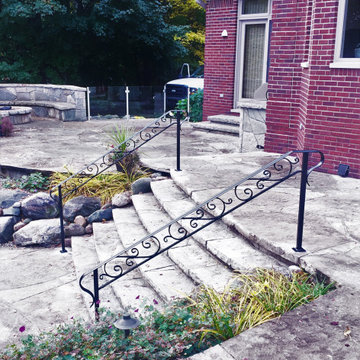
point(306, 52)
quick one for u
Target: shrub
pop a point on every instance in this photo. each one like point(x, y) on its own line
point(196, 105)
point(33, 182)
point(104, 186)
point(179, 330)
point(6, 126)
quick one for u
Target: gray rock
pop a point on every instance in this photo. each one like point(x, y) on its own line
point(141, 186)
point(19, 225)
point(100, 215)
point(89, 229)
point(39, 232)
point(12, 211)
point(74, 230)
point(122, 199)
point(80, 220)
point(39, 206)
point(106, 206)
point(27, 221)
point(9, 197)
point(6, 228)
point(80, 205)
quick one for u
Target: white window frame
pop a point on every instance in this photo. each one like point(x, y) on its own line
point(340, 62)
point(243, 20)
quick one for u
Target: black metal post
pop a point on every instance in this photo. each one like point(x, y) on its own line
point(300, 228)
point(63, 250)
point(96, 294)
point(178, 128)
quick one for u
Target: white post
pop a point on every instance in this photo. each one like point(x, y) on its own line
point(88, 102)
point(164, 92)
point(127, 91)
point(188, 101)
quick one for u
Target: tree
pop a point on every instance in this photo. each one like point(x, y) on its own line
point(190, 14)
point(87, 42)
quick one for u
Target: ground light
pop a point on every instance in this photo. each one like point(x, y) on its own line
point(126, 323)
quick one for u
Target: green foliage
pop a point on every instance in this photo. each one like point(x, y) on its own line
point(103, 186)
point(179, 330)
point(87, 42)
point(34, 182)
point(196, 105)
point(188, 13)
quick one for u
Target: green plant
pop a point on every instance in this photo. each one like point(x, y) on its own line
point(196, 105)
point(178, 330)
point(6, 126)
point(117, 137)
point(104, 186)
point(33, 182)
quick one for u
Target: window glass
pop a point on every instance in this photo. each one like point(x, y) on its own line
point(255, 6)
point(351, 40)
point(253, 59)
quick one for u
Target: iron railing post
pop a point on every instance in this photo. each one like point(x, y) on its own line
point(61, 215)
point(178, 128)
point(303, 182)
point(96, 294)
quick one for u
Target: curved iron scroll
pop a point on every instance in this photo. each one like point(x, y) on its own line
point(113, 156)
point(228, 200)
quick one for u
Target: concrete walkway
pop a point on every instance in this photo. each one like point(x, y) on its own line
point(210, 163)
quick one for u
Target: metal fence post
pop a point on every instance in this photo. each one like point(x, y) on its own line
point(88, 103)
point(164, 93)
point(96, 294)
point(300, 228)
point(178, 128)
point(61, 215)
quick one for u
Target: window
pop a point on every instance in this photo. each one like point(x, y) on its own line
point(252, 48)
point(347, 47)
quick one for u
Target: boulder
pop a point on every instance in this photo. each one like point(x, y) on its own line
point(44, 232)
point(100, 215)
point(80, 220)
point(89, 229)
point(74, 230)
point(19, 225)
point(6, 228)
point(141, 186)
point(122, 199)
point(12, 211)
point(9, 197)
point(80, 205)
point(39, 206)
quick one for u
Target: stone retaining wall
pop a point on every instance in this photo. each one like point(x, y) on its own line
point(69, 99)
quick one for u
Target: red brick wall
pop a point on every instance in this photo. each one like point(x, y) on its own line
point(317, 107)
point(220, 57)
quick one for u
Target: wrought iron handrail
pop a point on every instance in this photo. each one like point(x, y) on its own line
point(202, 216)
point(115, 155)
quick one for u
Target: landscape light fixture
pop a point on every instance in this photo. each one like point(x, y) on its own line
point(343, 170)
point(126, 323)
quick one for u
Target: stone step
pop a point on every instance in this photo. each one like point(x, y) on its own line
point(223, 243)
point(160, 273)
point(225, 119)
point(85, 258)
point(131, 290)
point(217, 128)
point(191, 258)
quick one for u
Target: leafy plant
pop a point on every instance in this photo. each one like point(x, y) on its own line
point(104, 186)
point(118, 136)
point(196, 105)
point(6, 126)
point(33, 182)
point(179, 330)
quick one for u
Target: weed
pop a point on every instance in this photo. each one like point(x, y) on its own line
point(33, 182)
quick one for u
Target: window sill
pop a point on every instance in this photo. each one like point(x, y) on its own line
point(345, 64)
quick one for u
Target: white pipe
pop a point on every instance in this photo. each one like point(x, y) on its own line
point(188, 101)
point(88, 102)
point(127, 102)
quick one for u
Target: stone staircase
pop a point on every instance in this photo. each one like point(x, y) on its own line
point(222, 124)
point(209, 257)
